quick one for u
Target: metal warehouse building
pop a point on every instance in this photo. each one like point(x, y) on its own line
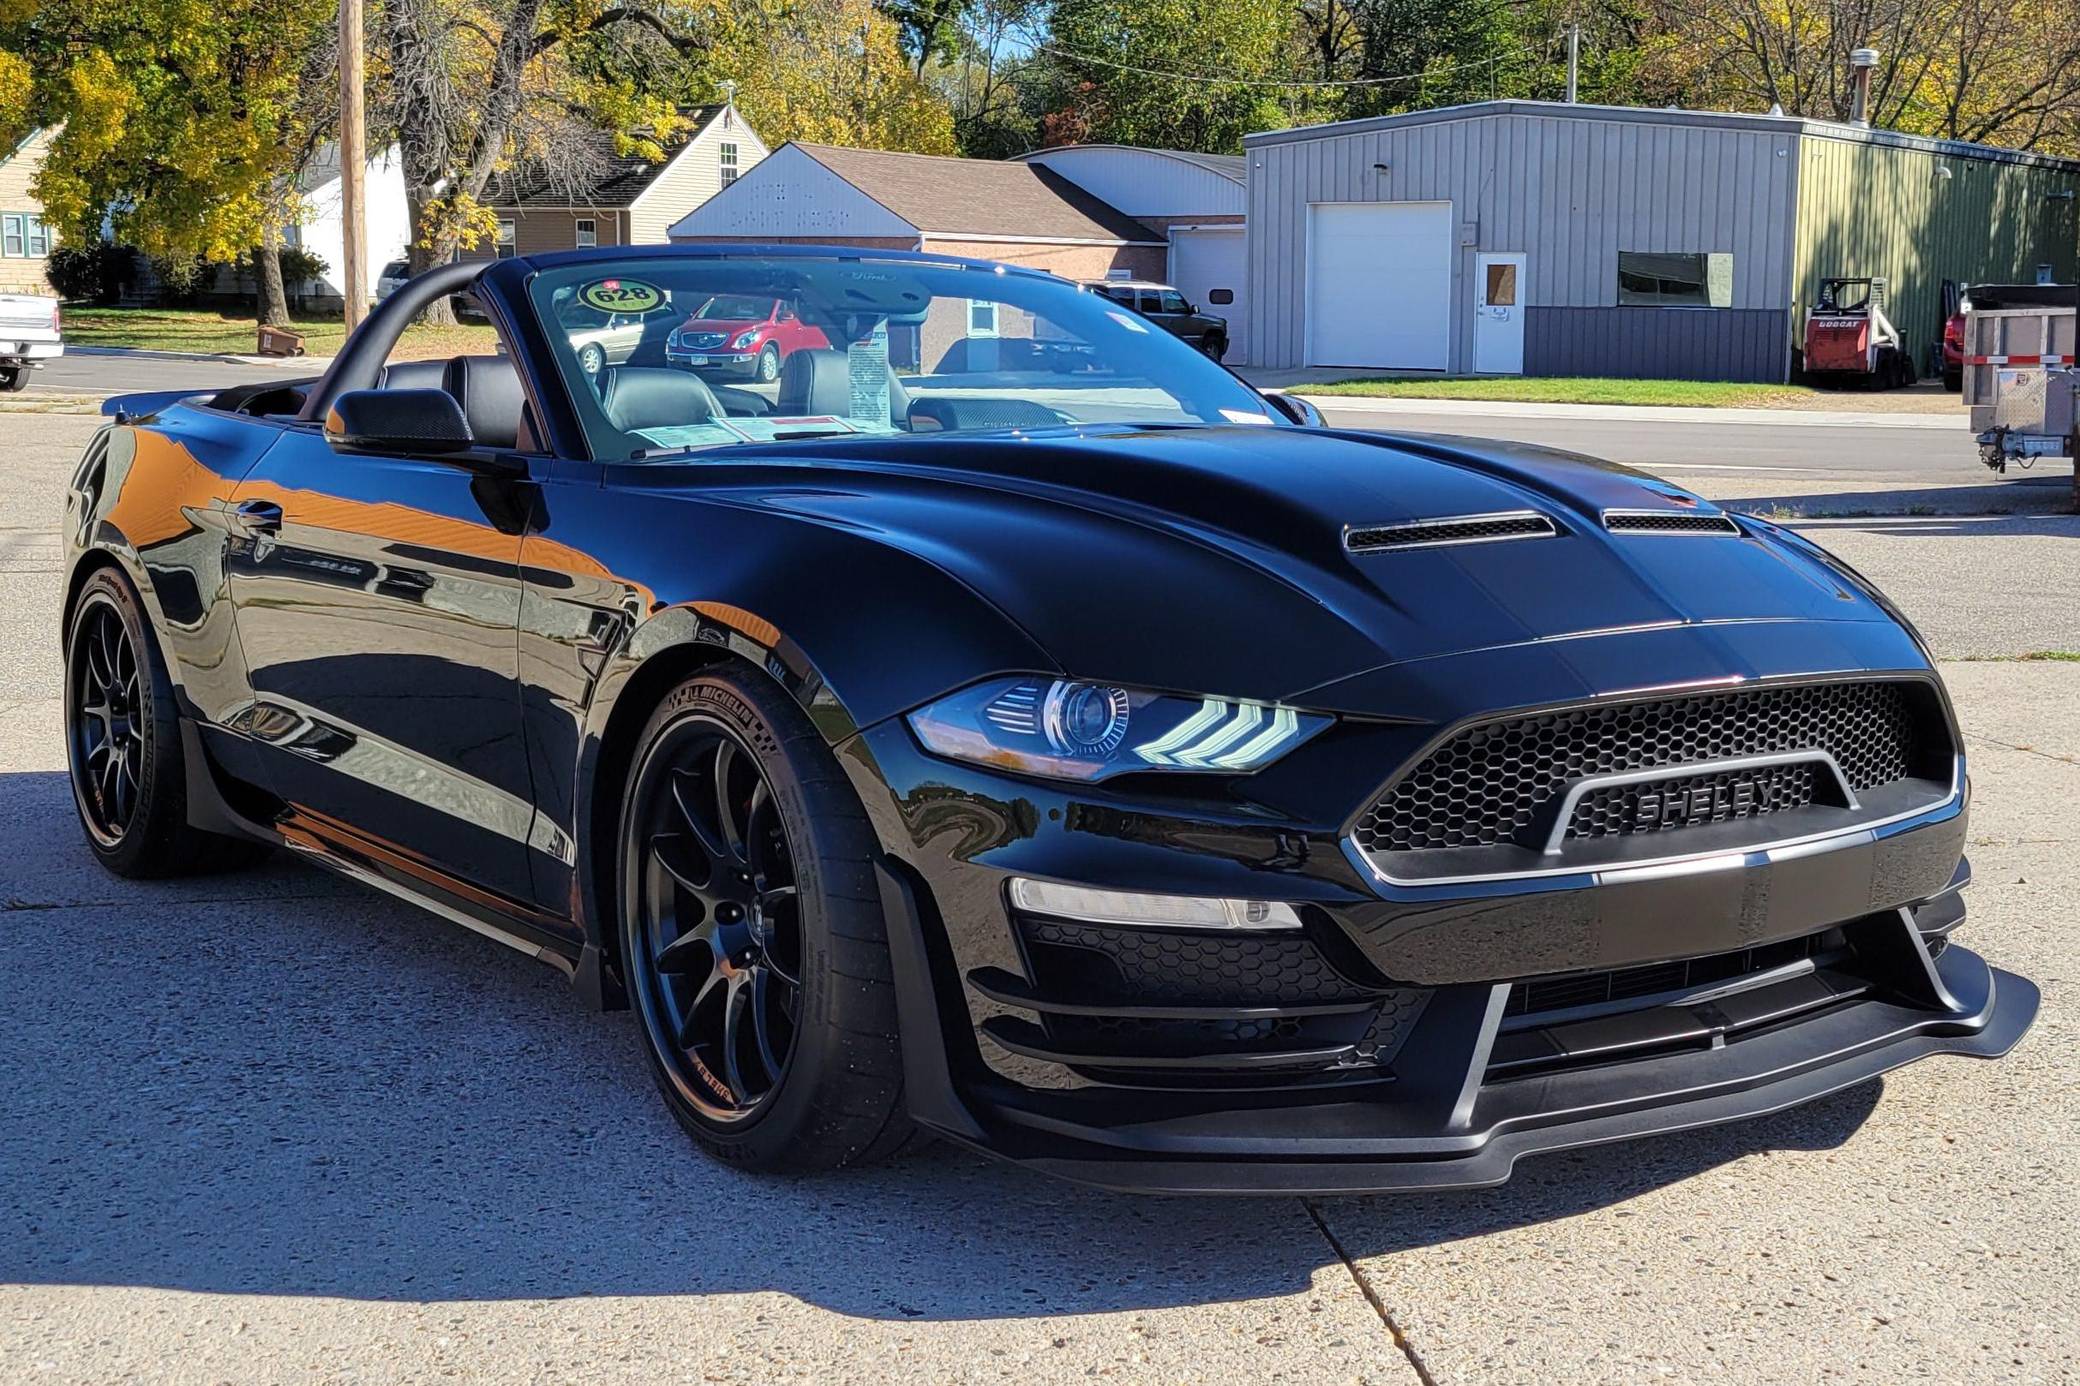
point(1546, 239)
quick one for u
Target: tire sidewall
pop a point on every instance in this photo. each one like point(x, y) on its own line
point(766, 1135)
point(593, 359)
point(769, 363)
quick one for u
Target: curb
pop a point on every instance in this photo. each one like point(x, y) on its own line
point(1637, 413)
point(221, 358)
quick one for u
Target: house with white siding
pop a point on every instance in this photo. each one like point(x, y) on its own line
point(628, 200)
point(25, 238)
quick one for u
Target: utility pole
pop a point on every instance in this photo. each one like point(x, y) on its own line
point(353, 166)
point(1574, 59)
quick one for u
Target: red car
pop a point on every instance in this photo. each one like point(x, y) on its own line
point(1953, 352)
point(741, 335)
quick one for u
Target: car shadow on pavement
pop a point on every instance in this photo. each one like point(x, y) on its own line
point(271, 1082)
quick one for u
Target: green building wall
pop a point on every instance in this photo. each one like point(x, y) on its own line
point(1869, 209)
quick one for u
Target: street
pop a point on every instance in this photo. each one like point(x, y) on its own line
point(270, 1126)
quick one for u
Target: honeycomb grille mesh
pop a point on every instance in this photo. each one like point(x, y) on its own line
point(1204, 968)
point(1667, 522)
point(1471, 530)
point(1488, 784)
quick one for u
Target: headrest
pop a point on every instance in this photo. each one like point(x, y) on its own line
point(817, 381)
point(415, 375)
point(654, 397)
point(488, 389)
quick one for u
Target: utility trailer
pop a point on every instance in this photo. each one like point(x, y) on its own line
point(2019, 376)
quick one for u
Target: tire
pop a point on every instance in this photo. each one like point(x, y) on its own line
point(123, 747)
point(769, 363)
point(592, 359)
point(1214, 347)
point(780, 905)
point(13, 378)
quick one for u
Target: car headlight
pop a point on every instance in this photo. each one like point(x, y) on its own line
point(744, 339)
point(1076, 730)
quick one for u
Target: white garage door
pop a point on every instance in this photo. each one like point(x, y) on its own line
point(1208, 267)
point(1379, 284)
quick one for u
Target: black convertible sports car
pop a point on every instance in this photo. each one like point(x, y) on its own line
point(1012, 726)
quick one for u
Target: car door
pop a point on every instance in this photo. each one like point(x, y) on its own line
point(1176, 316)
point(377, 603)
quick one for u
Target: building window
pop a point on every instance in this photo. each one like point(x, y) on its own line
point(508, 235)
point(982, 318)
point(726, 157)
point(588, 233)
point(24, 234)
point(1658, 279)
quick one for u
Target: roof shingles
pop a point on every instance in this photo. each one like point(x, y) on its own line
point(945, 196)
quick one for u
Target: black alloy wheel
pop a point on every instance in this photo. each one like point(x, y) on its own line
point(751, 936)
point(722, 923)
point(123, 745)
point(108, 722)
point(1214, 347)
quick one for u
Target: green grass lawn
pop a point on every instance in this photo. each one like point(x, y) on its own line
point(204, 330)
point(1532, 390)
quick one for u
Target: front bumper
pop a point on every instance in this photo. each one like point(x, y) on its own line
point(1410, 1036)
point(713, 362)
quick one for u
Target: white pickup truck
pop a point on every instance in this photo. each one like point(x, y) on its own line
point(29, 335)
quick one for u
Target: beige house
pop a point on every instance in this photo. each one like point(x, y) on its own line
point(26, 240)
point(630, 200)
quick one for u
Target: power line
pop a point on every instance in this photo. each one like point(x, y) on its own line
point(1040, 46)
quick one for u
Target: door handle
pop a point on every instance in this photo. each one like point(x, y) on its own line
point(255, 518)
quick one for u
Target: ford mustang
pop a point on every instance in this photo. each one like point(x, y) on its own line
point(1033, 736)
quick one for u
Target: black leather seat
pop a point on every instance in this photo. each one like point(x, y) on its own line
point(820, 382)
point(415, 375)
point(636, 397)
point(488, 389)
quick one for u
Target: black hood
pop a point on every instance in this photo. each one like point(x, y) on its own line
point(1218, 554)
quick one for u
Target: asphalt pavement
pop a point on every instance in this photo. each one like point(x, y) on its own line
point(273, 1127)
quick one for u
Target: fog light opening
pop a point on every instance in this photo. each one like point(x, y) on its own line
point(1149, 911)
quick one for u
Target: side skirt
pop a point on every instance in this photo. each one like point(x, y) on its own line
point(341, 849)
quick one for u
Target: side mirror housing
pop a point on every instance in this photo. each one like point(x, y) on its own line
point(1298, 410)
point(411, 423)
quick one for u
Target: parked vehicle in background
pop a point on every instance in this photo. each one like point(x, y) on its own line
point(1953, 348)
point(742, 335)
point(1850, 341)
point(393, 275)
point(1170, 310)
point(30, 334)
point(603, 339)
point(2019, 358)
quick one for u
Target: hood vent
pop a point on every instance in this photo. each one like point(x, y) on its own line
point(1457, 529)
point(1667, 522)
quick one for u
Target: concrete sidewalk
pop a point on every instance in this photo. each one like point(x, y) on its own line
point(1957, 422)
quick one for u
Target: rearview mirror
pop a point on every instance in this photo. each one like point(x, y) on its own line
point(398, 422)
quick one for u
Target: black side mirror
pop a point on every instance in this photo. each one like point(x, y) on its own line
point(411, 423)
point(1298, 410)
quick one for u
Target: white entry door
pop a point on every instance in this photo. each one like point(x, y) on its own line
point(1379, 285)
point(1208, 266)
point(1498, 313)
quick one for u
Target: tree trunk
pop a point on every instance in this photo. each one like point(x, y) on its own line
point(428, 250)
point(267, 274)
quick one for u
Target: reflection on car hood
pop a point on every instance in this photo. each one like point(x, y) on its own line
point(1126, 552)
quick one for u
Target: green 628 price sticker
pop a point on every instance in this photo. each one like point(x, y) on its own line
point(621, 295)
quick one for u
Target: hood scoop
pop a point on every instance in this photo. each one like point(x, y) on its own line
point(1667, 522)
point(1455, 529)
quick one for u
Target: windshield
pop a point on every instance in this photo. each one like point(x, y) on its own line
point(870, 347)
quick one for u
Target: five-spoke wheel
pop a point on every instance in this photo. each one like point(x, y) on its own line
point(722, 922)
point(108, 722)
point(752, 942)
